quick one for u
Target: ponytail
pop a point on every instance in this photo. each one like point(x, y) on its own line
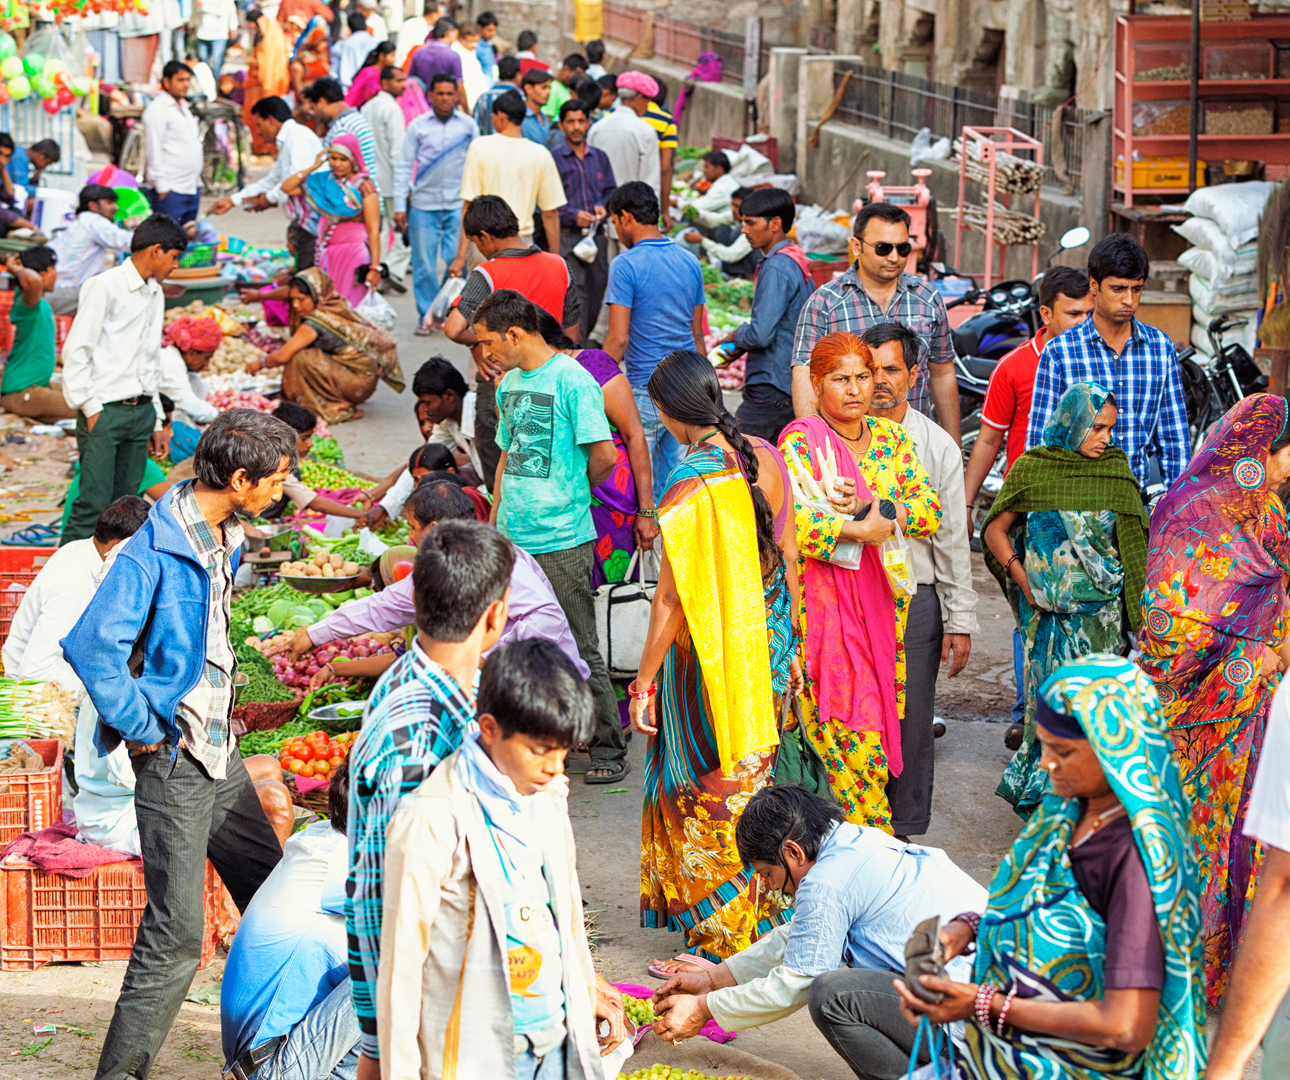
point(684, 386)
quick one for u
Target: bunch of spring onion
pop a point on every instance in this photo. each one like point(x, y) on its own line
point(24, 709)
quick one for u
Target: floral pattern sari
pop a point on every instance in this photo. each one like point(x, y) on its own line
point(1215, 597)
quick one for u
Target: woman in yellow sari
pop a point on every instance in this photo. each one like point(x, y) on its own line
point(853, 665)
point(266, 74)
point(721, 641)
point(334, 356)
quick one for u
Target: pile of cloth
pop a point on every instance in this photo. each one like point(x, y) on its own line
point(1223, 230)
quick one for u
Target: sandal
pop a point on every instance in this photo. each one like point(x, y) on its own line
point(699, 962)
point(618, 770)
point(32, 536)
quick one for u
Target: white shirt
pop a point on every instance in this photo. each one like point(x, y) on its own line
point(412, 35)
point(298, 149)
point(113, 349)
point(631, 144)
point(348, 54)
point(85, 248)
point(173, 149)
point(185, 388)
point(1268, 817)
point(714, 204)
point(377, 26)
point(52, 605)
point(944, 559)
point(472, 73)
point(385, 117)
point(218, 17)
point(449, 433)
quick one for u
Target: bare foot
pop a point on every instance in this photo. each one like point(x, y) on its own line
point(677, 967)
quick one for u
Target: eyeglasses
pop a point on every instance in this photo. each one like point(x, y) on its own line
point(882, 248)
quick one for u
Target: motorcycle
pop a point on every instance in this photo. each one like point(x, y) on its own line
point(1212, 387)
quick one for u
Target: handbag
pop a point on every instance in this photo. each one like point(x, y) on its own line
point(941, 1049)
point(797, 761)
point(622, 618)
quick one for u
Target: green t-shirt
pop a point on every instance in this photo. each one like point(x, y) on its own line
point(31, 360)
point(559, 95)
point(545, 420)
point(152, 474)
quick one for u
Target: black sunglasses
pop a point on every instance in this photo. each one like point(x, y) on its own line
point(882, 248)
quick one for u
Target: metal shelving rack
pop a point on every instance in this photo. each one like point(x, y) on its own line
point(994, 141)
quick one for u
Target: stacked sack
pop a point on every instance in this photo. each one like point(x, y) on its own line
point(1224, 230)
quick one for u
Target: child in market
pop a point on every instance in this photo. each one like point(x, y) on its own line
point(486, 842)
point(295, 491)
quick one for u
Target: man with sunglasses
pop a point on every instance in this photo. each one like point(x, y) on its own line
point(858, 894)
point(876, 289)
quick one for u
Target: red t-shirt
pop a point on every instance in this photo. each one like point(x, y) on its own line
point(1007, 398)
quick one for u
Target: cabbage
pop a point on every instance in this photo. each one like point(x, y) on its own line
point(319, 607)
point(300, 615)
point(280, 611)
point(338, 598)
point(263, 625)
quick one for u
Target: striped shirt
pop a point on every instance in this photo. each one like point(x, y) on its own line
point(203, 715)
point(83, 248)
point(353, 122)
point(663, 124)
point(416, 717)
point(843, 305)
point(1147, 387)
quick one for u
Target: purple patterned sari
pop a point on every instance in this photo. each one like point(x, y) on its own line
point(613, 503)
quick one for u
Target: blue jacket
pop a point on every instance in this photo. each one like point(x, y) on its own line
point(781, 292)
point(140, 645)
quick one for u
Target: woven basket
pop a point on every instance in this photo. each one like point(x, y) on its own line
point(315, 800)
point(265, 715)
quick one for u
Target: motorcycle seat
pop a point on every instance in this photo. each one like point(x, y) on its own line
point(979, 367)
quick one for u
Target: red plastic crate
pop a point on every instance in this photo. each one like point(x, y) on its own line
point(18, 566)
point(33, 800)
point(6, 327)
point(49, 918)
point(62, 326)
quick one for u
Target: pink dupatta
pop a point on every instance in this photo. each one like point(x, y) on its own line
point(850, 649)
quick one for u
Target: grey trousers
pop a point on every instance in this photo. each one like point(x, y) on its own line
point(490, 454)
point(858, 1011)
point(910, 793)
point(184, 818)
point(590, 279)
point(570, 574)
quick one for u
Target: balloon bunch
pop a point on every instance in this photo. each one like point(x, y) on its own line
point(41, 70)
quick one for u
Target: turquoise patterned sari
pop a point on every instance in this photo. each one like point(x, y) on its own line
point(1040, 935)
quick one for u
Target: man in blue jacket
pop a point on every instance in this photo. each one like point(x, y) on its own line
point(153, 650)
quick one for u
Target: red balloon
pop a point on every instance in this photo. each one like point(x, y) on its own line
point(51, 105)
point(65, 96)
point(4, 93)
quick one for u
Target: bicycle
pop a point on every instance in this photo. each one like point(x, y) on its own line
point(224, 146)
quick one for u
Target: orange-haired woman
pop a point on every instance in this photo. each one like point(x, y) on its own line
point(851, 624)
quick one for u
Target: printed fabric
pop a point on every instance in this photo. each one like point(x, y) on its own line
point(1039, 934)
point(1214, 598)
point(360, 342)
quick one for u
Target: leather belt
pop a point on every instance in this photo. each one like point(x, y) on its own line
point(255, 1057)
point(138, 399)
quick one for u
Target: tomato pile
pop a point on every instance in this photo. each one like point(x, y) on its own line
point(316, 754)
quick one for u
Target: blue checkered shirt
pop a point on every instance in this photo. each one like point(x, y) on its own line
point(1147, 387)
point(416, 717)
point(843, 305)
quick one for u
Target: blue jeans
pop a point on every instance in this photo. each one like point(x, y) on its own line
point(551, 1067)
point(213, 53)
point(1019, 671)
point(183, 208)
point(664, 451)
point(323, 1044)
point(431, 233)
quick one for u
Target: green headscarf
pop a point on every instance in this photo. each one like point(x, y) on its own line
point(1056, 477)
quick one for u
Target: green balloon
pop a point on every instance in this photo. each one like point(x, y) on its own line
point(19, 87)
point(11, 67)
point(44, 86)
point(8, 47)
point(82, 85)
point(33, 63)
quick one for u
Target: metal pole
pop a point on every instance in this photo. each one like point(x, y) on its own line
point(1193, 126)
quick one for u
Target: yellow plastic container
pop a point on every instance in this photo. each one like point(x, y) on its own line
point(1160, 172)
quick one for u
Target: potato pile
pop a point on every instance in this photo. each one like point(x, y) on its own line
point(321, 565)
point(233, 354)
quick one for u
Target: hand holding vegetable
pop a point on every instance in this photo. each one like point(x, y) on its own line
point(843, 498)
point(297, 646)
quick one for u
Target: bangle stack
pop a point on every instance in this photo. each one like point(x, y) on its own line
point(641, 695)
point(1008, 565)
point(972, 918)
point(647, 513)
point(981, 1008)
point(1003, 1012)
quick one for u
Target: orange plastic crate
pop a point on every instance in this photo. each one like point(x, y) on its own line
point(18, 567)
point(6, 327)
point(49, 918)
point(62, 327)
point(33, 800)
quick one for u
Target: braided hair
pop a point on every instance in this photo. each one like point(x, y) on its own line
point(685, 387)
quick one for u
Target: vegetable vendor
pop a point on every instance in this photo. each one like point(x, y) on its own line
point(533, 611)
point(187, 346)
point(304, 421)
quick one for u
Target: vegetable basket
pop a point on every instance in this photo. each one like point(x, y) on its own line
point(315, 800)
point(265, 715)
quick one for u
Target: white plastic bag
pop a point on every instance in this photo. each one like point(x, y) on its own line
point(846, 553)
point(1224, 298)
point(819, 234)
point(376, 310)
point(585, 249)
point(1235, 207)
point(898, 561)
point(442, 303)
point(1216, 268)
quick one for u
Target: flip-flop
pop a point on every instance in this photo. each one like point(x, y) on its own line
point(621, 768)
point(700, 962)
point(32, 535)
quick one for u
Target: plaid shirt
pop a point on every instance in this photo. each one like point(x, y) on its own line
point(415, 718)
point(588, 181)
point(203, 715)
point(843, 305)
point(1146, 384)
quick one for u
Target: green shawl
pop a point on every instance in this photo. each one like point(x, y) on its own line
point(1054, 478)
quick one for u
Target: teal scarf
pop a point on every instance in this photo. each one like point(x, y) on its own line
point(1040, 935)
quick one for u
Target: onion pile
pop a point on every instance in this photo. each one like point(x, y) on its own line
point(301, 671)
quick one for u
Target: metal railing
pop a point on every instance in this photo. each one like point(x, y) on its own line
point(900, 106)
point(28, 122)
point(680, 42)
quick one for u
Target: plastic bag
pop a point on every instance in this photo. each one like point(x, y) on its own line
point(1236, 208)
point(923, 149)
point(898, 561)
point(819, 234)
point(1224, 298)
point(585, 249)
point(846, 553)
point(442, 303)
point(376, 310)
point(1217, 269)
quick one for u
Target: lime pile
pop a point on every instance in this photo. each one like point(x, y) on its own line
point(640, 1011)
